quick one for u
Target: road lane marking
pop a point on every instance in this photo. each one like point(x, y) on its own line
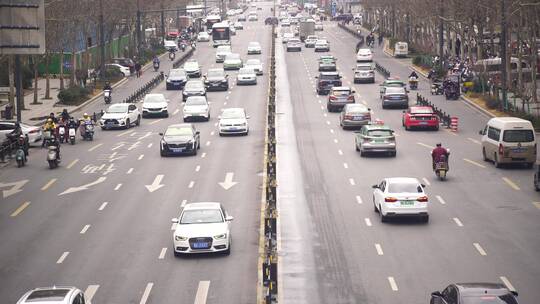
point(320, 101)
point(117, 187)
point(480, 249)
point(85, 228)
point(507, 283)
point(212, 133)
point(424, 145)
point(345, 165)
point(324, 114)
point(351, 181)
point(183, 203)
point(72, 163)
point(202, 292)
point(20, 209)
point(90, 292)
point(208, 143)
point(141, 156)
point(162, 253)
point(426, 181)
point(393, 284)
point(48, 184)
point(227, 97)
point(150, 145)
point(129, 171)
point(203, 155)
point(335, 140)
point(215, 124)
point(224, 103)
point(511, 183)
point(95, 147)
point(62, 257)
point(328, 122)
point(322, 108)
point(191, 184)
point(474, 163)
point(146, 293)
point(124, 133)
point(474, 140)
point(197, 168)
point(379, 249)
point(536, 204)
point(103, 206)
point(440, 199)
point(458, 222)
point(175, 112)
point(340, 152)
point(358, 199)
point(368, 222)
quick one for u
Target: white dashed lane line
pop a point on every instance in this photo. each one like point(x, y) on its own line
point(117, 187)
point(162, 253)
point(351, 181)
point(203, 155)
point(202, 292)
point(480, 249)
point(335, 140)
point(197, 168)
point(345, 165)
point(150, 145)
point(62, 257)
point(85, 228)
point(191, 184)
point(90, 292)
point(48, 184)
point(379, 249)
point(146, 293)
point(393, 284)
point(141, 156)
point(472, 162)
point(183, 203)
point(103, 206)
point(426, 181)
point(507, 283)
point(129, 171)
point(340, 152)
point(367, 221)
point(458, 222)
point(359, 199)
point(440, 199)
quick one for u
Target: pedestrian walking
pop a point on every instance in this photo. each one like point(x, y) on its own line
point(381, 39)
point(138, 69)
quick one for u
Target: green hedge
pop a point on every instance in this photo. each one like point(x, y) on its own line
point(73, 96)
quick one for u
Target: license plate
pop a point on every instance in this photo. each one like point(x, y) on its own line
point(200, 245)
point(518, 150)
point(177, 149)
point(407, 203)
point(233, 128)
point(358, 118)
point(110, 124)
point(423, 123)
point(379, 141)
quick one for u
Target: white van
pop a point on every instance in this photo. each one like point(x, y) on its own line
point(509, 140)
point(401, 49)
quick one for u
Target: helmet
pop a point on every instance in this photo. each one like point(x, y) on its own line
point(439, 145)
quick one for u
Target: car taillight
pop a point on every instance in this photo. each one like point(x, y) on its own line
point(501, 149)
point(332, 97)
point(348, 117)
point(433, 117)
point(412, 118)
point(33, 131)
point(422, 199)
point(390, 199)
point(351, 97)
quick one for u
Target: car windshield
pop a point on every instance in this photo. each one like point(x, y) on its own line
point(178, 131)
point(363, 67)
point(288, 35)
point(224, 49)
point(232, 114)
point(379, 133)
point(404, 188)
point(246, 71)
point(216, 73)
point(194, 85)
point(253, 44)
point(118, 108)
point(328, 77)
point(364, 52)
point(253, 62)
point(485, 299)
point(395, 90)
point(518, 136)
point(192, 65)
point(394, 84)
point(356, 108)
point(422, 111)
point(341, 92)
point(321, 42)
point(203, 216)
point(294, 40)
point(154, 98)
point(177, 73)
point(233, 57)
point(311, 37)
point(195, 101)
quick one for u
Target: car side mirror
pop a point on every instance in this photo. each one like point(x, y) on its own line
point(481, 132)
point(227, 76)
point(353, 91)
point(403, 112)
point(160, 134)
point(247, 117)
point(175, 220)
point(197, 132)
point(316, 76)
point(375, 186)
point(423, 186)
point(436, 294)
point(229, 218)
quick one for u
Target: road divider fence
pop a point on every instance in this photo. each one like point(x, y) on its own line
point(385, 72)
point(446, 119)
point(269, 257)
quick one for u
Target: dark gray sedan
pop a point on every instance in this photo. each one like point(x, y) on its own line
point(395, 97)
point(180, 139)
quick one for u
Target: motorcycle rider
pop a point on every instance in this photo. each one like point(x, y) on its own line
point(86, 119)
point(155, 60)
point(64, 116)
point(413, 75)
point(106, 87)
point(49, 126)
point(14, 136)
point(437, 153)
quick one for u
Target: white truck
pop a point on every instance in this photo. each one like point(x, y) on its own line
point(306, 28)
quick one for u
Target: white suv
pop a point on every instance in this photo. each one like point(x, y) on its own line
point(120, 115)
point(400, 196)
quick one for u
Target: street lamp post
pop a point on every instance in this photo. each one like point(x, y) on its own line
point(503, 55)
point(138, 30)
point(101, 41)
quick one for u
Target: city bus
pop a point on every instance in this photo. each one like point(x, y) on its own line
point(221, 34)
point(211, 20)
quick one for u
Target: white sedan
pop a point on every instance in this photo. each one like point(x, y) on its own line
point(34, 133)
point(155, 104)
point(400, 196)
point(364, 55)
point(254, 48)
point(202, 227)
point(256, 65)
point(196, 107)
point(286, 36)
point(203, 37)
point(246, 76)
point(233, 121)
point(322, 46)
point(124, 70)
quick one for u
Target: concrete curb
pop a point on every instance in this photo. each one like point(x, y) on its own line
point(477, 107)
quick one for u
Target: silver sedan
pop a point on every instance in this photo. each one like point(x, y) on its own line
point(354, 115)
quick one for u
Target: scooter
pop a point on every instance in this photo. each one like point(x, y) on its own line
point(107, 95)
point(20, 154)
point(52, 153)
point(72, 132)
point(156, 66)
point(413, 83)
point(441, 167)
point(171, 55)
point(88, 133)
point(62, 133)
point(436, 89)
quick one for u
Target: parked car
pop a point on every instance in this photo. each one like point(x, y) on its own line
point(155, 105)
point(180, 139)
point(420, 117)
point(176, 79)
point(238, 25)
point(193, 88)
point(120, 115)
point(354, 115)
point(375, 138)
point(216, 79)
point(253, 17)
point(241, 17)
point(364, 72)
point(318, 26)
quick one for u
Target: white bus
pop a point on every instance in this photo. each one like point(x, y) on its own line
point(221, 34)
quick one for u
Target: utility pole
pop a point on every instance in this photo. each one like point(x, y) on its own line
point(19, 87)
point(441, 35)
point(101, 41)
point(503, 55)
point(163, 24)
point(138, 29)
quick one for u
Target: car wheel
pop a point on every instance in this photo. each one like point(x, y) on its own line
point(356, 146)
point(383, 106)
point(228, 251)
point(362, 153)
point(128, 124)
point(375, 206)
point(407, 128)
point(384, 218)
point(220, 134)
point(176, 254)
point(138, 121)
point(393, 154)
point(436, 128)
point(496, 161)
point(195, 151)
point(425, 218)
point(484, 154)
point(162, 153)
point(536, 183)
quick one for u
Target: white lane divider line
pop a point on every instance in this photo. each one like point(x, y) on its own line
point(424, 145)
point(340, 152)
point(150, 145)
point(426, 181)
point(90, 292)
point(183, 203)
point(212, 133)
point(480, 249)
point(162, 253)
point(95, 147)
point(458, 222)
point(208, 143)
point(359, 199)
point(156, 121)
point(20, 209)
point(124, 133)
point(511, 183)
point(507, 283)
point(224, 103)
point(379, 249)
point(85, 228)
point(202, 292)
point(197, 168)
point(129, 171)
point(103, 206)
point(328, 122)
point(47, 185)
point(368, 221)
point(176, 111)
point(335, 141)
point(440, 199)
point(215, 124)
point(203, 155)
point(474, 140)
point(62, 257)
point(227, 97)
point(141, 156)
point(472, 162)
point(324, 114)
point(72, 163)
point(322, 108)
point(345, 165)
point(393, 284)
point(146, 293)
point(191, 184)
point(351, 181)
point(117, 187)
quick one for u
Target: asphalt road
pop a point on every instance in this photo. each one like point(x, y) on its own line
point(93, 224)
point(484, 221)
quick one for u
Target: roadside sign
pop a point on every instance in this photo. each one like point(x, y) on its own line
point(22, 27)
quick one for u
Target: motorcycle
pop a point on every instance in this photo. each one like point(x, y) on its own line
point(20, 154)
point(62, 133)
point(107, 95)
point(436, 88)
point(171, 56)
point(183, 47)
point(52, 153)
point(156, 66)
point(88, 131)
point(72, 132)
point(413, 83)
point(441, 166)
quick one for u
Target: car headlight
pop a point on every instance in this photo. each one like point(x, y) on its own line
point(180, 238)
point(168, 80)
point(220, 236)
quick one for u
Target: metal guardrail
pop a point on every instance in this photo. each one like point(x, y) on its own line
point(269, 264)
point(385, 72)
point(7, 149)
point(446, 119)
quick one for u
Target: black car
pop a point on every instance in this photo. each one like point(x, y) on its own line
point(216, 79)
point(176, 79)
point(180, 139)
point(474, 293)
point(193, 88)
point(327, 80)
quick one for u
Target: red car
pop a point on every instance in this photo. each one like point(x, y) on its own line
point(420, 117)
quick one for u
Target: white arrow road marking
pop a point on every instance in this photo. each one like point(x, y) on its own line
point(84, 187)
point(103, 206)
point(202, 292)
point(15, 187)
point(228, 182)
point(90, 292)
point(175, 112)
point(156, 184)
